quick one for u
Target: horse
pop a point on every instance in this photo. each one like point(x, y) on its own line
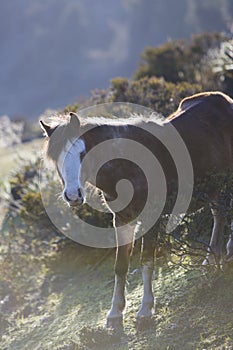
point(205, 123)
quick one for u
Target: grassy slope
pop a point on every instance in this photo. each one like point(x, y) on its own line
point(56, 299)
point(65, 305)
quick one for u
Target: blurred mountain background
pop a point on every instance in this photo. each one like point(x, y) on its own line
point(55, 52)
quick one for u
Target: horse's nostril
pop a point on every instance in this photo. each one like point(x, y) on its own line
point(80, 193)
point(66, 197)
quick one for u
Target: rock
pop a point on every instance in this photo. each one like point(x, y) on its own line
point(10, 132)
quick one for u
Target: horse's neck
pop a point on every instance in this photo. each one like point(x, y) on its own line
point(141, 133)
point(94, 134)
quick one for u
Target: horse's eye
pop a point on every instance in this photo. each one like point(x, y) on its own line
point(82, 154)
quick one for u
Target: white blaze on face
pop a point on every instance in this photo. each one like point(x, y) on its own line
point(69, 166)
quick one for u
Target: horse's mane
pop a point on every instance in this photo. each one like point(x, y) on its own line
point(60, 120)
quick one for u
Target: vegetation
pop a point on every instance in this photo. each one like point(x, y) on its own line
point(55, 293)
point(174, 70)
point(178, 60)
point(154, 93)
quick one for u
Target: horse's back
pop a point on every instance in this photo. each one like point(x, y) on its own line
point(205, 122)
point(205, 105)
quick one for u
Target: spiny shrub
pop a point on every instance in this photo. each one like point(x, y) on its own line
point(154, 93)
point(26, 196)
point(181, 60)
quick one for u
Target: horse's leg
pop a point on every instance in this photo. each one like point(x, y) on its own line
point(115, 315)
point(230, 245)
point(147, 260)
point(216, 243)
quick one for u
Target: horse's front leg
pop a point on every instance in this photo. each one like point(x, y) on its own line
point(147, 260)
point(115, 315)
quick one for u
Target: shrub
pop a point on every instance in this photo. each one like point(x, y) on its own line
point(154, 93)
point(222, 62)
point(179, 60)
point(25, 196)
point(167, 61)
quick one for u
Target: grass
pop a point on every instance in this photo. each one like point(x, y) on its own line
point(65, 305)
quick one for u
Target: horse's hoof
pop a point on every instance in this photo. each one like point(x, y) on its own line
point(229, 258)
point(210, 264)
point(115, 323)
point(144, 323)
point(228, 263)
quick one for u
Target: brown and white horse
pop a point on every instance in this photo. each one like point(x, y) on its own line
point(204, 122)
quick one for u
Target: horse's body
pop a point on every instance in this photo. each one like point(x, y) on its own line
point(205, 123)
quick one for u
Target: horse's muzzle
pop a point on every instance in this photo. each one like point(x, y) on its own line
point(74, 201)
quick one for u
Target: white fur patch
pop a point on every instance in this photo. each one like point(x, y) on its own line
point(69, 165)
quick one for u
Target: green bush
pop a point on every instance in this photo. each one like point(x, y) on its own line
point(167, 61)
point(222, 60)
point(25, 195)
point(179, 60)
point(154, 93)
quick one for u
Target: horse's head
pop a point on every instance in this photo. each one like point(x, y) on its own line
point(65, 148)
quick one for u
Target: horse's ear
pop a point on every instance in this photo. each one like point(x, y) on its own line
point(46, 128)
point(74, 120)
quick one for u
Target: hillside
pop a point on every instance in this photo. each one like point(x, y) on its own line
point(60, 300)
